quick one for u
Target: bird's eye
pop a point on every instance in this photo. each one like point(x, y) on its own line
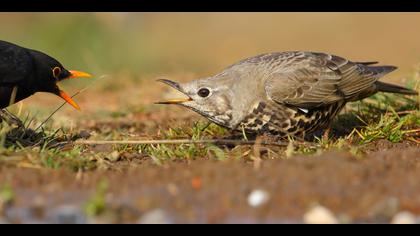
point(203, 92)
point(56, 72)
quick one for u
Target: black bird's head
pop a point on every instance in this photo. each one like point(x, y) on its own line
point(49, 72)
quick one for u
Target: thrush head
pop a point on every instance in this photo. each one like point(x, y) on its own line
point(224, 98)
point(211, 97)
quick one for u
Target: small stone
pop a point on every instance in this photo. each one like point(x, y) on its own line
point(384, 210)
point(156, 216)
point(84, 134)
point(68, 214)
point(404, 217)
point(81, 135)
point(258, 197)
point(115, 156)
point(319, 215)
point(35, 222)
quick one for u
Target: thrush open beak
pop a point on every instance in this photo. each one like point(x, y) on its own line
point(79, 74)
point(176, 86)
point(174, 101)
point(68, 99)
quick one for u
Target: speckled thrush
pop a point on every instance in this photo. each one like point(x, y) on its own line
point(286, 93)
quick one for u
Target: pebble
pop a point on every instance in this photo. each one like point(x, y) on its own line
point(258, 197)
point(68, 214)
point(319, 215)
point(84, 134)
point(36, 222)
point(115, 156)
point(384, 210)
point(156, 216)
point(404, 217)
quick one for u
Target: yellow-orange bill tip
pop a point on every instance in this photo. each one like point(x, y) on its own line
point(68, 99)
point(79, 74)
point(175, 101)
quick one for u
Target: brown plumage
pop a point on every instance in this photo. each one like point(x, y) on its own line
point(287, 93)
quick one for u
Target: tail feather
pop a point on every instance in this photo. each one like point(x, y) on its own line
point(392, 88)
point(379, 71)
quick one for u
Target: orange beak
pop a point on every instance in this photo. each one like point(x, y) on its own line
point(68, 99)
point(64, 95)
point(78, 74)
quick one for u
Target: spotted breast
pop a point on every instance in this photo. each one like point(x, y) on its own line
point(282, 121)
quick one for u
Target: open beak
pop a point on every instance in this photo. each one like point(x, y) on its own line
point(64, 95)
point(174, 101)
point(176, 86)
point(68, 99)
point(78, 74)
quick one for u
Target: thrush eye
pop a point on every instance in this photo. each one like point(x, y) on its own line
point(203, 92)
point(56, 72)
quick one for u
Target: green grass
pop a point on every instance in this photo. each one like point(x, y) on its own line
point(87, 41)
point(97, 203)
point(371, 121)
point(7, 194)
point(200, 130)
point(72, 159)
point(387, 116)
point(392, 127)
point(394, 118)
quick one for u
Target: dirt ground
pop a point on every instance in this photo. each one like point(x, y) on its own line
point(369, 189)
point(370, 185)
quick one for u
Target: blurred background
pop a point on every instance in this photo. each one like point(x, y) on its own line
point(127, 52)
point(140, 47)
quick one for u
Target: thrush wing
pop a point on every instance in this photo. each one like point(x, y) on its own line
point(311, 80)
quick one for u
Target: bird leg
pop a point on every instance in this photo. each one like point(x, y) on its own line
point(326, 134)
point(10, 119)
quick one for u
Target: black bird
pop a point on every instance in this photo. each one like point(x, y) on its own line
point(24, 72)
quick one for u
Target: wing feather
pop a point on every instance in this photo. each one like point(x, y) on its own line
point(308, 80)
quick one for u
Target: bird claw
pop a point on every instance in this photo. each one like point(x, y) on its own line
point(10, 119)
